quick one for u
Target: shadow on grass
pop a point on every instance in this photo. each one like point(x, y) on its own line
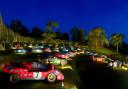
point(97, 76)
point(28, 84)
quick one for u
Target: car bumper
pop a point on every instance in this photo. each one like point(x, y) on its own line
point(60, 77)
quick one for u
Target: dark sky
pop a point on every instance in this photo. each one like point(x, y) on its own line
point(112, 15)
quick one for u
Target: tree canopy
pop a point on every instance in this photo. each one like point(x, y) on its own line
point(116, 39)
point(97, 38)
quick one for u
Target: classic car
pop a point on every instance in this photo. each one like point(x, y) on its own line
point(32, 71)
point(61, 55)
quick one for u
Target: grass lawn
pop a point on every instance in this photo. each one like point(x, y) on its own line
point(106, 51)
point(112, 54)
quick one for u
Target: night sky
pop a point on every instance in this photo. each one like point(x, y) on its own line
point(112, 15)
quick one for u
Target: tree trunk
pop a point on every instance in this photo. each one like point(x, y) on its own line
point(1, 46)
point(96, 46)
point(117, 48)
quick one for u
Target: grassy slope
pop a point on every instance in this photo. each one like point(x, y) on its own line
point(106, 51)
point(118, 56)
point(96, 75)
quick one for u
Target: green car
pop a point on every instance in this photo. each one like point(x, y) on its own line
point(107, 60)
point(56, 61)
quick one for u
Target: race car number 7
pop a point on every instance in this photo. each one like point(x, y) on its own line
point(37, 75)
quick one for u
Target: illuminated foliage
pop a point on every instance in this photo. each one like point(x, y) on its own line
point(97, 38)
point(117, 39)
point(49, 33)
point(3, 31)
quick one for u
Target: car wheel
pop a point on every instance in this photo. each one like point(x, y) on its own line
point(51, 77)
point(14, 78)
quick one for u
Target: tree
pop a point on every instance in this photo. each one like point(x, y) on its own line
point(74, 34)
point(97, 38)
point(116, 39)
point(49, 33)
point(77, 34)
point(48, 37)
point(11, 36)
point(18, 27)
point(65, 36)
point(104, 41)
point(36, 34)
point(50, 25)
point(81, 35)
point(3, 33)
point(59, 35)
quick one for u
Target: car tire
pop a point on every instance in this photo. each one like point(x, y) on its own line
point(14, 78)
point(51, 77)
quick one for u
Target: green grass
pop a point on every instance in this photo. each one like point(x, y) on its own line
point(106, 51)
point(103, 51)
point(114, 54)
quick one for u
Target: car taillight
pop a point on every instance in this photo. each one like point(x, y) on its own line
point(2, 66)
point(63, 56)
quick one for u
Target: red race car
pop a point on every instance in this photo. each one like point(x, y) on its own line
point(59, 55)
point(32, 71)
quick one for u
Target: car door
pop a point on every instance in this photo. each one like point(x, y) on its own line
point(42, 71)
point(25, 74)
point(37, 71)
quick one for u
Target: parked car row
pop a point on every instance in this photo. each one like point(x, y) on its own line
point(44, 48)
point(44, 68)
point(58, 56)
point(112, 63)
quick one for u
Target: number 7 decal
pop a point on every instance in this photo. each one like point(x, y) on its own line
point(37, 75)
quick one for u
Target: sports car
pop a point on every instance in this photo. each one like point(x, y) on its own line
point(53, 60)
point(32, 71)
point(56, 61)
point(60, 55)
point(98, 58)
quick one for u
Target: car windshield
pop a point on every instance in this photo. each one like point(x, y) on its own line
point(10, 67)
point(39, 66)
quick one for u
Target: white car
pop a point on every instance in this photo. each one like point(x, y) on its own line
point(40, 47)
point(37, 50)
point(30, 46)
point(20, 51)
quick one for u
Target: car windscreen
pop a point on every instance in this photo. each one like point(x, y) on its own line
point(10, 67)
